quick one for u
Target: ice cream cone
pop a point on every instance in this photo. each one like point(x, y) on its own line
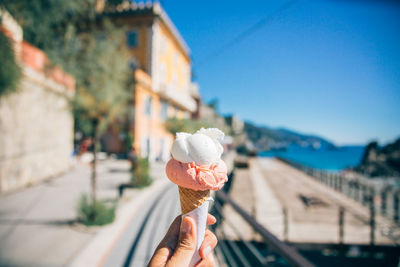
point(196, 168)
point(191, 199)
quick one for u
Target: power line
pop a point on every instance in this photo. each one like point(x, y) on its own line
point(245, 34)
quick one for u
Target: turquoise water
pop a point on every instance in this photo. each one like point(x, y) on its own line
point(324, 159)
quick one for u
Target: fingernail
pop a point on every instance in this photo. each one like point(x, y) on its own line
point(186, 226)
point(206, 251)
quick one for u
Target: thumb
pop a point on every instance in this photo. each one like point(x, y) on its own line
point(186, 243)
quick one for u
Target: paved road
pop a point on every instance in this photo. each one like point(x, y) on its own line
point(37, 224)
point(144, 233)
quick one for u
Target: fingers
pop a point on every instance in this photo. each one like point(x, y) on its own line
point(171, 237)
point(167, 246)
point(207, 262)
point(209, 243)
point(175, 252)
point(211, 219)
point(186, 243)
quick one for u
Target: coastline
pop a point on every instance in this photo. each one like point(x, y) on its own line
point(323, 159)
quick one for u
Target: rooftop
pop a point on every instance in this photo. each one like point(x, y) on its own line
point(131, 8)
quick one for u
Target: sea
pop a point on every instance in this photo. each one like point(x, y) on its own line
point(329, 159)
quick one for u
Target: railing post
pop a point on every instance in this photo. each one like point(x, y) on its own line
point(285, 225)
point(372, 218)
point(383, 201)
point(341, 230)
point(364, 197)
point(396, 206)
point(341, 225)
point(345, 186)
point(336, 181)
point(333, 181)
point(329, 179)
point(355, 189)
point(359, 192)
point(351, 189)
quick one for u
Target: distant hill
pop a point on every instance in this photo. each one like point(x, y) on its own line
point(264, 138)
point(381, 161)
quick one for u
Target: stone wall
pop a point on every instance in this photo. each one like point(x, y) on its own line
point(36, 133)
point(36, 123)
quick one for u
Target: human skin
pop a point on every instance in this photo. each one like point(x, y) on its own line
point(179, 245)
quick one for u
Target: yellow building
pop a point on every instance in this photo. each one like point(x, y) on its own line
point(162, 70)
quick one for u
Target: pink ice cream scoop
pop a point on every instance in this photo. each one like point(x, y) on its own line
point(192, 176)
point(196, 160)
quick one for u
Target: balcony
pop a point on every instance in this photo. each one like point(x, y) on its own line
point(183, 100)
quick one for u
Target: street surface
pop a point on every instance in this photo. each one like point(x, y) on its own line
point(38, 224)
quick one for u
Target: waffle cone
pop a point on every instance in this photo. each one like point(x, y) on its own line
point(191, 199)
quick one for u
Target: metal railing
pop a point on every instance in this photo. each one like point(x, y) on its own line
point(241, 252)
point(384, 199)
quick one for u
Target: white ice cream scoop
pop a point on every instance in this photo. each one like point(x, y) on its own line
point(203, 147)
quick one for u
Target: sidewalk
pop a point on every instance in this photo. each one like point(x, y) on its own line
point(38, 224)
point(283, 186)
point(142, 220)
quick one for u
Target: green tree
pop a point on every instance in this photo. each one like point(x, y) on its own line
point(141, 173)
point(88, 46)
point(102, 92)
point(174, 125)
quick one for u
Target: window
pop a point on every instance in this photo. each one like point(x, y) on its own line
point(164, 110)
point(163, 73)
point(133, 63)
point(147, 106)
point(132, 39)
point(176, 59)
point(175, 81)
point(163, 44)
point(146, 147)
point(161, 149)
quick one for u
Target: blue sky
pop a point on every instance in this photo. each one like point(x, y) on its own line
point(330, 68)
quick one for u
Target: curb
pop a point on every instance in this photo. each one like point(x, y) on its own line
point(98, 249)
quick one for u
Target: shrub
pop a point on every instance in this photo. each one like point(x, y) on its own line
point(10, 72)
point(99, 213)
point(141, 173)
point(128, 141)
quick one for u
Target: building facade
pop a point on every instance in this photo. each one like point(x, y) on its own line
point(160, 60)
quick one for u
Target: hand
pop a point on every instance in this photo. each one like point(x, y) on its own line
point(179, 244)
